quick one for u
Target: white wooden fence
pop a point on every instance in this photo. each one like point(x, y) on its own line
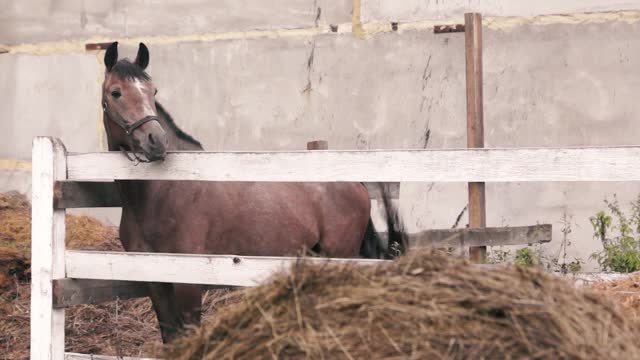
point(52, 164)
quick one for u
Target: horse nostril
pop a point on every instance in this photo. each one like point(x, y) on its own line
point(151, 139)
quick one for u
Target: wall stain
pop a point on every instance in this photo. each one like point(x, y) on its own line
point(356, 24)
point(15, 165)
point(459, 217)
point(308, 87)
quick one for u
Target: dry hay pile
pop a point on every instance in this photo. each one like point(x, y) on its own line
point(123, 327)
point(427, 305)
point(83, 232)
point(625, 291)
point(417, 305)
point(126, 328)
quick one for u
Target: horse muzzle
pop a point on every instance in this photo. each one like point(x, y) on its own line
point(155, 147)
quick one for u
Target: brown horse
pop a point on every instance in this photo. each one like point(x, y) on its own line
point(243, 218)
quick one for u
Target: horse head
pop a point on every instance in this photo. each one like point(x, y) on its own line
point(128, 101)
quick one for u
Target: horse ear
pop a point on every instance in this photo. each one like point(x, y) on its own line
point(111, 57)
point(142, 59)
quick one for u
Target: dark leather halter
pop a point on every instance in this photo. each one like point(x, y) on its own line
point(129, 129)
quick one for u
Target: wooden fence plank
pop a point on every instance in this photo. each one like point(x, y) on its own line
point(475, 122)
point(72, 194)
point(224, 270)
point(473, 237)
point(69, 292)
point(375, 191)
point(48, 249)
point(75, 356)
point(463, 165)
point(92, 194)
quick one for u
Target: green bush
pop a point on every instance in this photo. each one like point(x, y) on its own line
point(527, 257)
point(621, 253)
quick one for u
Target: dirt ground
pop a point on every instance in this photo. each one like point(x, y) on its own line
point(624, 291)
point(129, 327)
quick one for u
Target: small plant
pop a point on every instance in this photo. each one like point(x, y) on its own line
point(621, 253)
point(559, 263)
point(575, 266)
point(527, 257)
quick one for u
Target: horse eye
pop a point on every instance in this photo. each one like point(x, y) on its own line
point(116, 94)
point(156, 92)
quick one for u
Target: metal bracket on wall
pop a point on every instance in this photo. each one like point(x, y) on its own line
point(96, 46)
point(444, 29)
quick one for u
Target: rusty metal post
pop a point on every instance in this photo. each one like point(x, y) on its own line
point(475, 126)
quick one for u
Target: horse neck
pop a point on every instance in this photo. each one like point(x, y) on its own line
point(134, 192)
point(176, 143)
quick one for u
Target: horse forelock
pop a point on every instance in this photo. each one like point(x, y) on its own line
point(125, 70)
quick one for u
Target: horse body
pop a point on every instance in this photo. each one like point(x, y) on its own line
point(242, 218)
point(263, 219)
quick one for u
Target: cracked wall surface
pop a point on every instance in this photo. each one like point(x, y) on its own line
point(247, 76)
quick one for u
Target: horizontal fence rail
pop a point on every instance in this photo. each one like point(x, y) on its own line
point(75, 356)
point(73, 291)
point(457, 165)
point(65, 180)
point(90, 194)
point(224, 270)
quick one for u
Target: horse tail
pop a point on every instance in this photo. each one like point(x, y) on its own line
point(373, 246)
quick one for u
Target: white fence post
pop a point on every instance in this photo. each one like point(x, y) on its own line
point(47, 249)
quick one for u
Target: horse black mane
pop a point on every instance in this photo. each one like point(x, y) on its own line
point(125, 69)
point(179, 133)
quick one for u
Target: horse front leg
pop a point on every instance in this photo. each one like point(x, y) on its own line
point(164, 303)
point(162, 295)
point(188, 303)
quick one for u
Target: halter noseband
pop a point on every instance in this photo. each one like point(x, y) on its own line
point(129, 129)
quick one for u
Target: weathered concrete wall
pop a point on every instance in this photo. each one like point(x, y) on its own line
point(411, 10)
point(49, 20)
point(254, 77)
